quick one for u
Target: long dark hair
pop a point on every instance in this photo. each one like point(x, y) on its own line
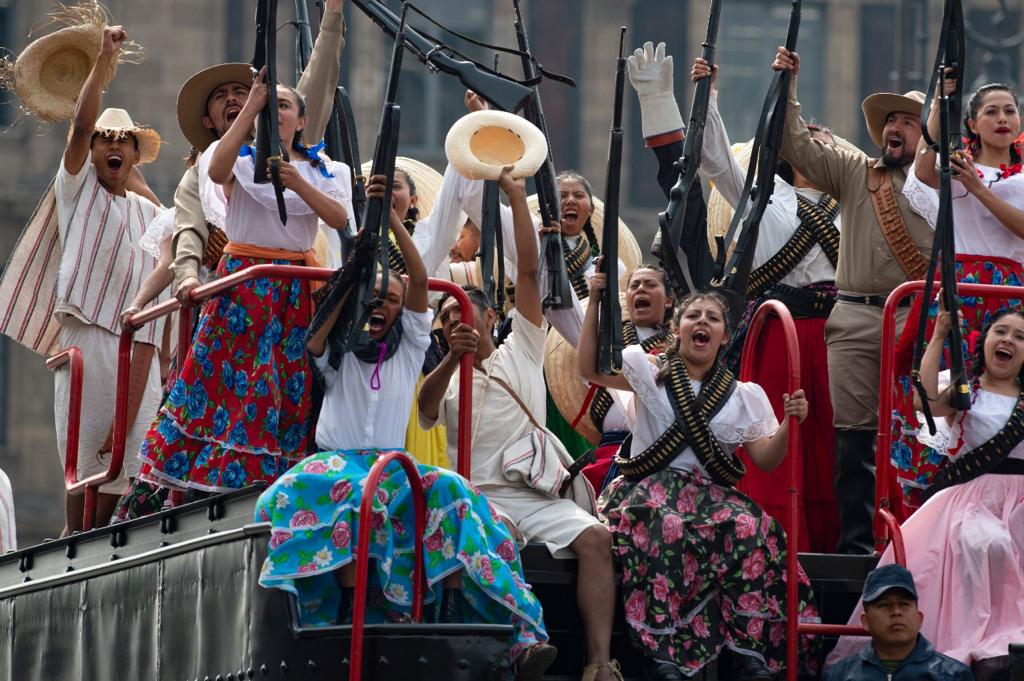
point(972, 138)
point(688, 300)
point(297, 144)
point(588, 227)
point(978, 363)
point(413, 213)
point(657, 269)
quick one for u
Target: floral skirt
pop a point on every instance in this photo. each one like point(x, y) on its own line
point(703, 568)
point(916, 464)
point(314, 511)
point(238, 413)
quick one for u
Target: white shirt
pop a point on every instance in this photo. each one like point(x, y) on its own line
point(987, 416)
point(977, 231)
point(497, 420)
point(747, 415)
point(354, 416)
point(780, 220)
point(616, 418)
point(251, 215)
point(102, 266)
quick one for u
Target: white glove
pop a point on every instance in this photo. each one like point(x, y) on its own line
point(650, 74)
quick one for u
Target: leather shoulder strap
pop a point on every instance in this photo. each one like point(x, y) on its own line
point(522, 405)
point(883, 200)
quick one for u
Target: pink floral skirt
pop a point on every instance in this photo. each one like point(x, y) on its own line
point(703, 568)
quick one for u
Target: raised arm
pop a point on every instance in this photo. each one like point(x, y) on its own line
point(528, 302)
point(138, 185)
point(330, 210)
point(320, 78)
point(768, 452)
point(938, 402)
point(222, 163)
point(717, 163)
point(416, 287)
point(586, 350)
point(88, 108)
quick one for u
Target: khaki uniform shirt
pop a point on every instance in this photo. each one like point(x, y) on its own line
point(866, 264)
point(317, 86)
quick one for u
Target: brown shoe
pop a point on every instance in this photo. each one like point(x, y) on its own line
point(534, 661)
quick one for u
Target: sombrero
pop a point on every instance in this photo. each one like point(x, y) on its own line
point(118, 124)
point(877, 108)
point(720, 212)
point(48, 74)
point(629, 249)
point(426, 179)
point(481, 143)
point(195, 93)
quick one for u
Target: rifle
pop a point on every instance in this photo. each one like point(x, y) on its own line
point(731, 278)
point(268, 141)
point(491, 241)
point(303, 38)
point(609, 319)
point(669, 250)
point(558, 295)
point(500, 90)
point(949, 56)
point(376, 220)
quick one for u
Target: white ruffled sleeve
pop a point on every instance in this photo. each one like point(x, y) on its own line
point(923, 199)
point(640, 372)
point(159, 230)
point(946, 437)
point(211, 194)
point(747, 417)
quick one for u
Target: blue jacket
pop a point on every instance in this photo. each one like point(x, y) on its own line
point(923, 664)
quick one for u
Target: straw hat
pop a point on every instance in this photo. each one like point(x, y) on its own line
point(629, 250)
point(426, 179)
point(720, 212)
point(566, 386)
point(481, 143)
point(118, 124)
point(470, 274)
point(195, 93)
point(878, 106)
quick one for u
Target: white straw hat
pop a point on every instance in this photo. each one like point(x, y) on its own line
point(481, 143)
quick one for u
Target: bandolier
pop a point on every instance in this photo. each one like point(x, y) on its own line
point(690, 429)
point(602, 401)
point(576, 260)
point(991, 456)
point(395, 260)
point(817, 227)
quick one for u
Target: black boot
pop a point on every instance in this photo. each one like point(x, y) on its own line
point(451, 607)
point(855, 490)
point(344, 615)
point(749, 668)
point(660, 670)
point(992, 669)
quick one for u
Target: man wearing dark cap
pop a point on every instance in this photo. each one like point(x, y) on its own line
point(883, 244)
point(897, 652)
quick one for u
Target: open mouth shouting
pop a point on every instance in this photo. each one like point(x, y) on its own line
point(641, 304)
point(701, 338)
point(570, 215)
point(231, 112)
point(894, 144)
point(377, 322)
point(115, 160)
point(1003, 355)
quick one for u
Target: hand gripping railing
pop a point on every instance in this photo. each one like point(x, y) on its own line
point(355, 670)
point(793, 460)
point(223, 284)
point(73, 356)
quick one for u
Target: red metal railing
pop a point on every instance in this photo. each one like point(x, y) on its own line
point(73, 357)
point(793, 458)
point(355, 657)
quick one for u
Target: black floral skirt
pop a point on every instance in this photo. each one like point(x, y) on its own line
point(703, 568)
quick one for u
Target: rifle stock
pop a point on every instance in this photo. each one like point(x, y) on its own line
point(269, 153)
point(609, 319)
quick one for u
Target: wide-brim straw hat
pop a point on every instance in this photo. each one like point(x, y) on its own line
point(567, 389)
point(720, 212)
point(471, 274)
point(629, 250)
point(48, 75)
point(427, 181)
point(119, 124)
point(878, 106)
point(195, 93)
point(481, 143)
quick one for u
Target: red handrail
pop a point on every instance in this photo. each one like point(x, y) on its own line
point(73, 356)
point(793, 457)
point(355, 657)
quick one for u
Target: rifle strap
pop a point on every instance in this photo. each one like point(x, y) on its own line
point(602, 401)
point(817, 226)
point(984, 458)
point(890, 220)
point(690, 429)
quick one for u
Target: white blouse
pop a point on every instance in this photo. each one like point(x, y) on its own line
point(977, 232)
point(747, 415)
point(988, 414)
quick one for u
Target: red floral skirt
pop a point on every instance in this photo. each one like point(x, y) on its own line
point(819, 519)
point(916, 464)
point(238, 412)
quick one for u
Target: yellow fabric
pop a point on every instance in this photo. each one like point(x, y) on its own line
point(430, 447)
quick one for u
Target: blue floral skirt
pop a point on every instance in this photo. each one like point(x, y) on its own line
point(314, 511)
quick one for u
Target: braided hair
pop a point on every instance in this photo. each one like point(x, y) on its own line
point(972, 138)
point(688, 300)
point(588, 226)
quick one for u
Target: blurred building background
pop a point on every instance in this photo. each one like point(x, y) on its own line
point(849, 48)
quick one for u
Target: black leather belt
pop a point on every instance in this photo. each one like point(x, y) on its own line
point(802, 302)
point(874, 301)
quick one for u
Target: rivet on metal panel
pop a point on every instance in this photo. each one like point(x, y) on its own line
point(264, 670)
point(284, 667)
point(69, 568)
point(423, 661)
point(382, 661)
point(218, 678)
point(311, 664)
point(463, 663)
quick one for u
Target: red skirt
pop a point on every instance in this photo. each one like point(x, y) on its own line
point(238, 413)
point(819, 519)
point(597, 471)
point(916, 464)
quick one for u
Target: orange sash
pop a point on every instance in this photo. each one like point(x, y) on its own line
point(308, 258)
